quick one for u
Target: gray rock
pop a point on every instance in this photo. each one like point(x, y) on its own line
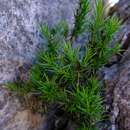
point(19, 34)
point(14, 116)
point(117, 77)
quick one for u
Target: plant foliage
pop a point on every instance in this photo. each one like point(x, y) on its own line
point(61, 74)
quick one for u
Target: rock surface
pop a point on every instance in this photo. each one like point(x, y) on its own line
point(19, 23)
point(13, 116)
point(117, 77)
point(19, 42)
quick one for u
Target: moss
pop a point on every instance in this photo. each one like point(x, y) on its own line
point(62, 75)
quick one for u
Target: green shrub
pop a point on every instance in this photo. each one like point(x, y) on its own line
point(67, 74)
